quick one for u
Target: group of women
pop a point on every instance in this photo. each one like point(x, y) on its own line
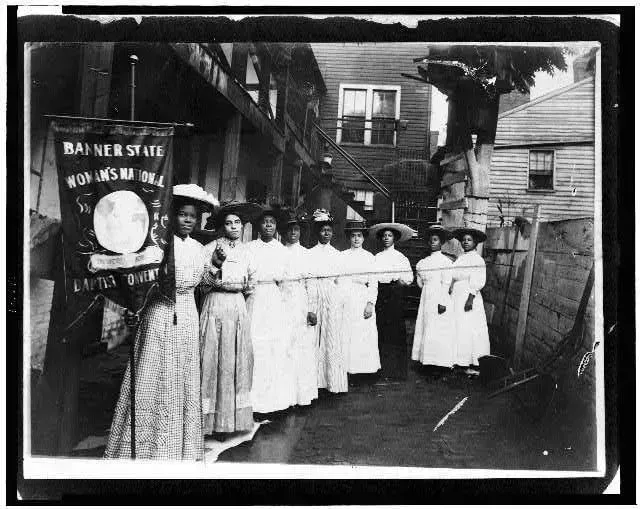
point(277, 322)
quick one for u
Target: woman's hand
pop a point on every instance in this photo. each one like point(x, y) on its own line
point(441, 309)
point(219, 256)
point(312, 319)
point(469, 304)
point(368, 311)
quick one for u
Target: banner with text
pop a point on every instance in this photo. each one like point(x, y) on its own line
point(115, 183)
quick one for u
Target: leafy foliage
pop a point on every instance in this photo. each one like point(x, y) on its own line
point(497, 69)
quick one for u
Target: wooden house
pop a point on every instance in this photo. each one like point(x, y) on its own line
point(544, 154)
point(381, 120)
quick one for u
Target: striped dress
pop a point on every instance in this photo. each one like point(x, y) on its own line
point(168, 408)
point(332, 368)
point(225, 343)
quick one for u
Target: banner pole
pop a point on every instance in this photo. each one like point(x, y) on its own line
point(134, 60)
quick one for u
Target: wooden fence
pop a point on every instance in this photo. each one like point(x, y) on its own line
point(563, 258)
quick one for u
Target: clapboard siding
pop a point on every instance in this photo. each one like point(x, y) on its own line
point(565, 116)
point(573, 194)
point(374, 64)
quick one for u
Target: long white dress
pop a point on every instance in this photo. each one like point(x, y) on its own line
point(331, 369)
point(273, 386)
point(435, 334)
point(359, 285)
point(472, 336)
point(298, 304)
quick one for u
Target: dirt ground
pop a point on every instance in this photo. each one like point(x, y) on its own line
point(390, 423)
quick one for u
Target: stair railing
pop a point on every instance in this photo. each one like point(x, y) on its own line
point(349, 158)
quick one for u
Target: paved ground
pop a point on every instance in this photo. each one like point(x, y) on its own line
point(390, 423)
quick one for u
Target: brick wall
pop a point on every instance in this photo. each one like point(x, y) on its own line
point(564, 256)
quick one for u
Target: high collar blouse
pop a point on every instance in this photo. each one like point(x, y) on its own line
point(470, 268)
point(269, 259)
point(391, 265)
point(324, 260)
point(358, 267)
point(189, 263)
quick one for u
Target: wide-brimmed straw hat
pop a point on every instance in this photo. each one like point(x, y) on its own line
point(355, 226)
point(404, 232)
point(477, 235)
point(440, 231)
point(246, 211)
point(195, 193)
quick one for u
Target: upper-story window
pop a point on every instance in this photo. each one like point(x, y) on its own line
point(368, 114)
point(541, 167)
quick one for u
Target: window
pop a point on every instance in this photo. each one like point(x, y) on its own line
point(368, 114)
point(363, 196)
point(541, 165)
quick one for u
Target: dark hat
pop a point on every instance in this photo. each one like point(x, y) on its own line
point(244, 210)
point(440, 231)
point(293, 217)
point(275, 211)
point(297, 217)
point(355, 226)
point(477, 235)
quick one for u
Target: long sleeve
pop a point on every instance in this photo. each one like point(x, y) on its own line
point(406, 275)
point(477, 275)
point(211, 275)
point(250, 284)
point(372, 284)
point(419, 269)
point(446, 271)
point(310, 282)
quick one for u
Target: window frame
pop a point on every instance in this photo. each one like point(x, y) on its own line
point(368, 122)
point(553, 170)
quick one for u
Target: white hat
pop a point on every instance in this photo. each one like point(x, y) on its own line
point(403, 230)
point(195, 192)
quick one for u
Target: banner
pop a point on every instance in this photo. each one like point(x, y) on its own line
point(115, 183)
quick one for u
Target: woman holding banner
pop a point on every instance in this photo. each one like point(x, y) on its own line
point(168, 410)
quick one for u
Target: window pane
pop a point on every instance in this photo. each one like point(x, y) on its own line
point(353, 115)
point(382, 132)
point(353, 103)
point(541, 162)
point(384, 103)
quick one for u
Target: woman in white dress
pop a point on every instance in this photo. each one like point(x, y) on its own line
point(299, 299)
point(469, 277)
point(325, 268)
point(434, 337)
point(359, 289)
point(273, 386)
point(168, 421)
point(394, 273)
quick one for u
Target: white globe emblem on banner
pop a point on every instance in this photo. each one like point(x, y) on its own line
point(121, 222)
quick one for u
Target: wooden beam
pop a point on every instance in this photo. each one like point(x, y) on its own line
point(230, 87)
point(456, 204)
point(275, 190)
point(453, 178)
point(523, 310)
point(231, 158)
